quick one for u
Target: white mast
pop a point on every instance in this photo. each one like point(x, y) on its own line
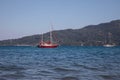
point(42, 38)
point(109, 37)
point(51, 39)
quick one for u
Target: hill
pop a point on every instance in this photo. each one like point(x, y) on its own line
point(92, 35)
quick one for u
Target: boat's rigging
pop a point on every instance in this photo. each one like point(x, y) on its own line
point(50, 43)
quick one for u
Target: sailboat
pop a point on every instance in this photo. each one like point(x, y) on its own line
point(48, 44)
point(109, 44)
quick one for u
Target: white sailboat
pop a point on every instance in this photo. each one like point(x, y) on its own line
point(109, 43)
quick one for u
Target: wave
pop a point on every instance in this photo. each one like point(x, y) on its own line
point(64, 69)
point(87, 67)
point(69, 78)
point(10, 68)
point(110, 77)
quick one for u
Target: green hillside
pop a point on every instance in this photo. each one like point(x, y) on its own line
point(92, 35)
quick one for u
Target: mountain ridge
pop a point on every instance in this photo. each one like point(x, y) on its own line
point(91, 35)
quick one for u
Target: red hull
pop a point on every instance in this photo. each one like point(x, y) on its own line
point(47, 46)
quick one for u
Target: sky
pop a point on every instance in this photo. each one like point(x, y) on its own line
point(19, 18)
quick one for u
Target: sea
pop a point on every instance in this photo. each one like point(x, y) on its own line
point(61, 63)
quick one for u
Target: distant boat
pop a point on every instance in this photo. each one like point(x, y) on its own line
point(48, 44)
point(109, 43)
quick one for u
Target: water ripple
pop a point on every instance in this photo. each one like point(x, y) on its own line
point(63, 63)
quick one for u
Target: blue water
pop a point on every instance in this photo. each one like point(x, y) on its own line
point(62, 63)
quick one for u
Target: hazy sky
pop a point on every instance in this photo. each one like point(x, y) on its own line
point(20, 18)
